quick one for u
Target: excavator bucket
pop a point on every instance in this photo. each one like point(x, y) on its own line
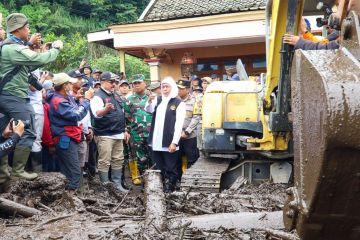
point(325, 201)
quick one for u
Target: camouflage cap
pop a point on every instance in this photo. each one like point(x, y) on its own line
point(138, 78)
point(15, 21)
point(154, 86)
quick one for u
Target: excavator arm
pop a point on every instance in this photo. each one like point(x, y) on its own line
point(324, 203)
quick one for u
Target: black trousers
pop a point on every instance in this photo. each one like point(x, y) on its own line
point(167, 163)
point(188, 148)
point(18, 109)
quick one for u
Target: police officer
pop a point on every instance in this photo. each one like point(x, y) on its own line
point(17, 61)
point(139, 130)
point(188, 142)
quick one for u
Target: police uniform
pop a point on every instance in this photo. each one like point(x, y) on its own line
point(188, 148)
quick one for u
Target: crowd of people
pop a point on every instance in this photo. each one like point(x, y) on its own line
point(89, 122)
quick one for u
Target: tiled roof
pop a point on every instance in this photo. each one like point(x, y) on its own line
point(176, 9)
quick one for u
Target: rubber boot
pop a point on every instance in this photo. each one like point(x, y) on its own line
point(21, 155)
point(104, 176)
point(4, 174)
point(184, 163)
point(123, 179)
point(116, 175)
point(36, 159)
point(134, 172)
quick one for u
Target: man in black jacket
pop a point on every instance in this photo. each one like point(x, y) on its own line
point(109, 130)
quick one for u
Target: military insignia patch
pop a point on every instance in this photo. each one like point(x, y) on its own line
point(173, 107)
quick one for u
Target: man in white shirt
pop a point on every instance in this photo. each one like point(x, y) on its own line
point(166, 127)
point(109, 130)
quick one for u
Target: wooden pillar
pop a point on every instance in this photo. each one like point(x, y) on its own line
point(122, 61)
point(154, 64)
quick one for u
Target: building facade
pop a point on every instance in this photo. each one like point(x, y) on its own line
point(185, 37)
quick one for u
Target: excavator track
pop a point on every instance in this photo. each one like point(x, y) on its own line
point(205, 174)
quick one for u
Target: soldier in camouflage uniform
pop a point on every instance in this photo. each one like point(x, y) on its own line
point(139, 130)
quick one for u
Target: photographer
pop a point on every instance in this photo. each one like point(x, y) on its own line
point(17, 61)
point(11, 135)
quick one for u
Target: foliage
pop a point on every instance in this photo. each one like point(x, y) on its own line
point(71, 20)
point(133, 65)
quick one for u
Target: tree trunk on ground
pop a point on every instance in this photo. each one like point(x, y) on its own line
point(155, 216)
point(239, 221)
point(13, 207)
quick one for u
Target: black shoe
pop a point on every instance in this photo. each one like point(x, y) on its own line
point(178, 185)
point(169, 188)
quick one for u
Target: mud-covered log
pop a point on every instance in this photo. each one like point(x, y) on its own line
point(239, 221)
point(154, 200)
point(13, 207)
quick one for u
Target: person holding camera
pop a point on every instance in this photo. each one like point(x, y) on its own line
point(18, 59)
point(8, 140)
point(10, 137)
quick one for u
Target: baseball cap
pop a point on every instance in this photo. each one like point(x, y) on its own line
point(75, 73)
point(124, 82)
point(105, 76)
point(198, 88)
point(97, 71)
point(194, 77)
point(207, 79)
point(183, 84)
point(115, 77)
point(15, 21)
point(62, 78)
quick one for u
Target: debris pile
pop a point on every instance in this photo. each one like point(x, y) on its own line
point(102, 212)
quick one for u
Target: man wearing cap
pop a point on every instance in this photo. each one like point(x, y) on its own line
point(155, 88)
point(140, 123)
point(65, 115)
point(17, 61)
point(195, 81)
point(187, 143)
point(124, 88)
point(77, 91)
point(96, 74)
point(87, 71)
point(109, 130)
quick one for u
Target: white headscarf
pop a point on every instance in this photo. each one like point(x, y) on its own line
point(174, 89)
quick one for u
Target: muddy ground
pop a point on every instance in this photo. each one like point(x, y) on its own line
point(102, 212)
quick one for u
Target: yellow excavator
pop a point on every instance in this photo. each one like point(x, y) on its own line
point(305, 111)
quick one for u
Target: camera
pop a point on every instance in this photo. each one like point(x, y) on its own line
point(33, 81)
point(26, 124)
point(328, 18)
point(327, 12)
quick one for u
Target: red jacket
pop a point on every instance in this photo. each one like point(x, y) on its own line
point(47, 138)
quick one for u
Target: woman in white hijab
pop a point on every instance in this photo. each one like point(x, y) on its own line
point(166, 127)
